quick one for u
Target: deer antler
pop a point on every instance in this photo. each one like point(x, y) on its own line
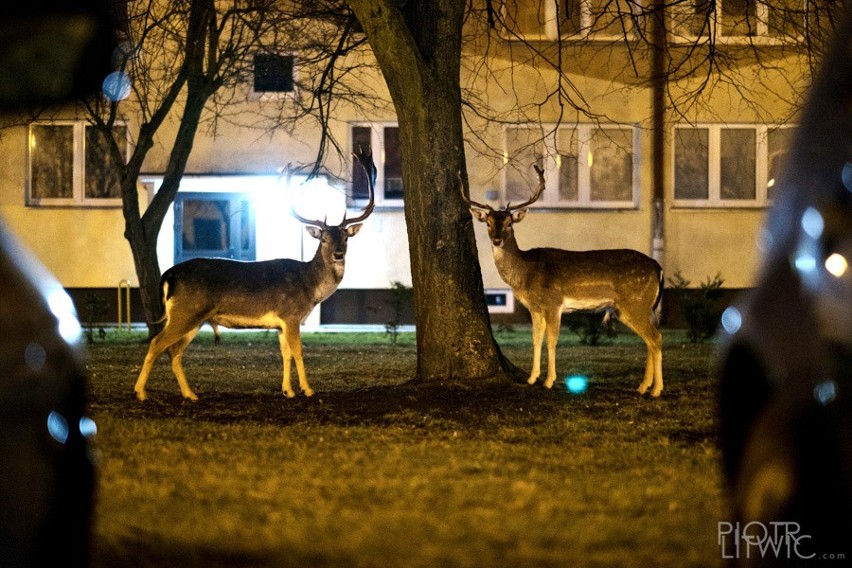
point(365, 158)
point(467, 200)
point(536, 194)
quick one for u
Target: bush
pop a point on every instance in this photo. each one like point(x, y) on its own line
point(700, 307)
point(593, 328)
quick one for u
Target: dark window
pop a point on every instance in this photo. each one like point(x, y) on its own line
point(360, 140)
point(273, 73)
point(393, 164)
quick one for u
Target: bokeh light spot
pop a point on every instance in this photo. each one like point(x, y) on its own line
point(576, 384)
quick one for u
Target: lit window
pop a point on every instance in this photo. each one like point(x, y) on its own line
point(72, 163)
point(585, 165)
point(728, 166)
point(383, 139)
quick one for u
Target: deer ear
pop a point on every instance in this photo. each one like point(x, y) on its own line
point(518, 216)
point(479, 214)
point(315, 232)
point(353, 230)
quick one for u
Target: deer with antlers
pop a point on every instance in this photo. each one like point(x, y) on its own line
point(548, 281)
point(272, 294)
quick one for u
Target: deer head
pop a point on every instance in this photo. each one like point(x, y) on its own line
point(334, 238)
point(500, 221)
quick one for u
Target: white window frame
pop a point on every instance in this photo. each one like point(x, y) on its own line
point(761, 164)
point(78, 159)
point(275, 95)
point(377, 143)
point(716, 30)
point(550, 28)
point(551, 164)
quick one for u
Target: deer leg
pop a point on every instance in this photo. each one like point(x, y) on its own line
point(176, 351)
point(654, 361)
point(552, 323)
point(162, 341)
point(537, 338)
point(286, 356)
point(294, 339)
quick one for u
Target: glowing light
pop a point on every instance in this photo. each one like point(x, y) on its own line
point(57, 427)
point(576, 384)
point(732, 320)
point(87, 426)
point(771, 183)
point(116, 86)
point(825, 392)
point(62, 307)
point(591, 159)
point(846, 176)
point(805, 263)
point(836, 265)
point(812, 223)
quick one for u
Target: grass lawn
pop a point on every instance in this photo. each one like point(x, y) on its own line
point(374, 472)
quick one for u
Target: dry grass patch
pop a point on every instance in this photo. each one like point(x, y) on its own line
point(374, 472)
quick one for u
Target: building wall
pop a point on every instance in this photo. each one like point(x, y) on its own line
point(85, 247)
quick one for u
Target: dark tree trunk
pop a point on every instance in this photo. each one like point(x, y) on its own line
point(419, 52)
point(142, 230)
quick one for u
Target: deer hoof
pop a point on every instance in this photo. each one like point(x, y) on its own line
point(190, 396)
point(656, 392)
point(309, 391)
point(643, 389)
point(531, 380)
point(548, 384)
point(289, 393)
point(141, 396)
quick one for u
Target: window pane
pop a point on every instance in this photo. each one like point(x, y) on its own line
point(611, 17)
point(360, 140)
point(52, 158)
point(691, 168)
point(566, 148)
point(103, 174)
point(525, 17)
point(570, 17)
point(778, 141)
point(786, 18)
point(737, 163)
point(739, 17)
point(691, 18)
point(393, 164)
point(246, 227)
point(611, 164)
point(273, 73)
point(206, 225)
point(524, 147)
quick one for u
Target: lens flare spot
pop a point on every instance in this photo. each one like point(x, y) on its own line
point(87, 426)
point(116, 86)
point(812, 223)
point(577, 384)
point(836, 264)
point(825, 392)
point(732, 320)
point(57, 427)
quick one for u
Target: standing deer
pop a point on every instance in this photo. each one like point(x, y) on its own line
point(548, 281)
point(272, 294)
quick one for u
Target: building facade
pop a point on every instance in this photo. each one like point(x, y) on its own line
point(588, 123)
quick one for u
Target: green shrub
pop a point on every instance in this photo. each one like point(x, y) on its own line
point(701, 309)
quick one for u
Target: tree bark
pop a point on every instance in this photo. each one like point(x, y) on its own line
point(419, 52)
